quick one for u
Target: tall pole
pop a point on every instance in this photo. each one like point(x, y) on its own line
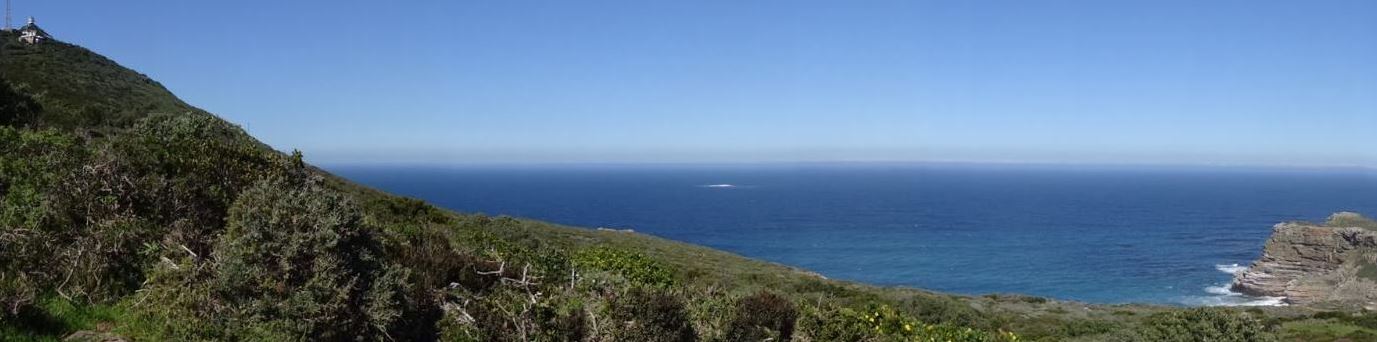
point(7, 16)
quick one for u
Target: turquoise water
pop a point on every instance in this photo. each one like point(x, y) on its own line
point(1104, 235)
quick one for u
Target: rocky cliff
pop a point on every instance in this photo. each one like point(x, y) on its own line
point(1334, 263)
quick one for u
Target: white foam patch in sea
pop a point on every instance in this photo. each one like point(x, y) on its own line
point(718, 186)
point(1223, 296)
point(1231, 268)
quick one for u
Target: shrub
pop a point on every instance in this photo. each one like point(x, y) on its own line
point(17, 109)
point(633, 266)
point(435, 266)
point(195, 166)
point(944, 310)
point(298, 259)
point(884, 323)
point(33, 165)
point(1365, 319)
point(512, 314)
point(650, 315)
point(762, 316)
point(1199, 324)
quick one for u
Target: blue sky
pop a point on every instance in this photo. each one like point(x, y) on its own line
point(472, 82)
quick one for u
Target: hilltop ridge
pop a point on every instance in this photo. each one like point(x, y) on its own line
point(80, 89)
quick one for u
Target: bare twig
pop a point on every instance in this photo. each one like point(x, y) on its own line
point(500, 267)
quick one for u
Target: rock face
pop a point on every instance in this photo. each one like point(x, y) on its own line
point(1333, 263)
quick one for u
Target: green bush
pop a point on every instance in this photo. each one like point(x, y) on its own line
point(1199, 324)
point(633, 266)
point(296, 260)
point(33, 229)
point(763, 316)
point(1365, 319)
point(651, 315)
point(884, 323)
point(944, 310)
point(84, 218)
point(513, 313)
point(17, 109)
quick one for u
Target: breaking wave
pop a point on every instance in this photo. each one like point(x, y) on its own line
point(1221, 295)
point(1230, 268)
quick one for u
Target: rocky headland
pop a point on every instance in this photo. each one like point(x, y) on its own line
point(1329, 264)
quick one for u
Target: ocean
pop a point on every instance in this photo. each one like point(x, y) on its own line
point(1157, 235)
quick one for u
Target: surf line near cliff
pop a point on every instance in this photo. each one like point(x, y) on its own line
point(1222, 295)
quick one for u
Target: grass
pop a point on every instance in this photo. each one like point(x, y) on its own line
point(1320, 330)
point(1368, 271)
point(1347, 219)
point(54, 317)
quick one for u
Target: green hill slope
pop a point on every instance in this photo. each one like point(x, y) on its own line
point(127, 212)
point(81, 89)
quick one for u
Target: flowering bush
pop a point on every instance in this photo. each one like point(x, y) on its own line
point(633, 266)
point(884, 323)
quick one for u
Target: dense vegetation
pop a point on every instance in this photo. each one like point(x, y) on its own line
point(126, 212)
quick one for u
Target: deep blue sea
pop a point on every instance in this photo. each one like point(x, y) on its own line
point(1094, 234)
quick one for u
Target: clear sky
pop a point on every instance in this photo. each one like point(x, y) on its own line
point(463, 82)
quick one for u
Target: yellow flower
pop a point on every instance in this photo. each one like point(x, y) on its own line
point(908, 327)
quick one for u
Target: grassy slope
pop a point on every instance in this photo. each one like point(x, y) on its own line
point(1351, 220)
point(89, 94)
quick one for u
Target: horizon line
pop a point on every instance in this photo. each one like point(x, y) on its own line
point(995, 163)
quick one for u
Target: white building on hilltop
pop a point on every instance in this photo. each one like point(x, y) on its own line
point(31, 34)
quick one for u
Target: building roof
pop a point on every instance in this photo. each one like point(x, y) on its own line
point(31, 26)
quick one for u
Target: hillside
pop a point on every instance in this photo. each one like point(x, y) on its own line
point(127, 213)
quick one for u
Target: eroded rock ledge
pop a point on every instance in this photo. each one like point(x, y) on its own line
point(1332, 263)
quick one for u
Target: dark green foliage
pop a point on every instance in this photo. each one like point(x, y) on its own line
point(85, 221)
point(296, 260)
point(651, 315)
point(434, 265)
point(403, 213)
point(52, 317)
point(16, 109)
point(79, 89)
point(763, 316)
point(511, 315)
point(944, 309)
point(36, 222)
point(1199, 325)
point(1365, 319)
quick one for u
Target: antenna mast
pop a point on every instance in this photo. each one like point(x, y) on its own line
point(7, 16)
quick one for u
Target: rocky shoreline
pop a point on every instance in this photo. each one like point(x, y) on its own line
point(1330, 264)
